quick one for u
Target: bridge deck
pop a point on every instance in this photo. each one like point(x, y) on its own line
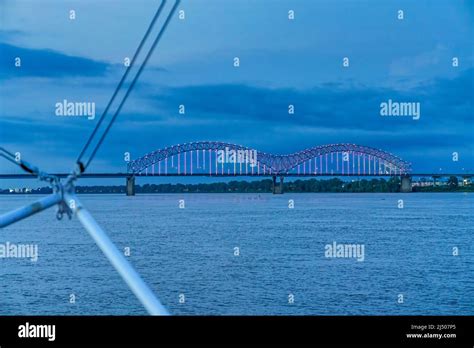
point(124, 175)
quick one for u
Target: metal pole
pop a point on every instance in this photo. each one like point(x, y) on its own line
point(33, 208)
point(121, 265)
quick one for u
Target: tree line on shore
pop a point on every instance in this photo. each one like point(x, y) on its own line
point(265, 186)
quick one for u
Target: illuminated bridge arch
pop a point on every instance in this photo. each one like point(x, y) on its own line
point(225, 159)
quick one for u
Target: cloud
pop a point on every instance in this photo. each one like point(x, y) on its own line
point(412, 65)
point(45, 63)
point(445, 104)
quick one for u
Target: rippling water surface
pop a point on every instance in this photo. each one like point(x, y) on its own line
point(190, 251)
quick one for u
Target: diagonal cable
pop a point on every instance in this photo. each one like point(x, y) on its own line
point(131, 86)
point(122, 80)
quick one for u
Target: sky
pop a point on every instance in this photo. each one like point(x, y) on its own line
point(282, 62)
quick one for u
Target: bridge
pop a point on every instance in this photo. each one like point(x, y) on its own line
point(231, 160)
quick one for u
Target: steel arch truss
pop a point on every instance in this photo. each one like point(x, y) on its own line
point(274, 164)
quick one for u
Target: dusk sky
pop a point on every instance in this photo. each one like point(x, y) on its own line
point(282, 62)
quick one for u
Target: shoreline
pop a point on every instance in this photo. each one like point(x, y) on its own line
point(335, 185)
point(236, 192)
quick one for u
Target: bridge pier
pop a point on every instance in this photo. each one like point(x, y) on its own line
point(406, 184)
point(130, 186)
point(277, 189)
